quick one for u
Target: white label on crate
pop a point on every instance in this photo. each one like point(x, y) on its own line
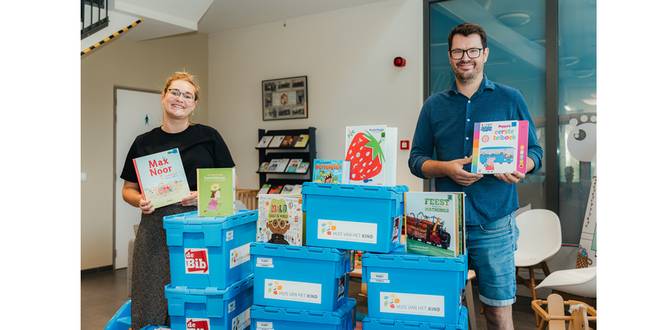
point(379, 277)
point(413, 304)
point(231, 306)
point(197, 324)
point(196, 260)
point(265, 262)
point(264, 325)
point(239, 255)
point(230, 235)
point(350, 231)
point(293, 291)
point(242, 320)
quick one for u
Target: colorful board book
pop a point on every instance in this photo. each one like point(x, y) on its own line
point(372, 153)
point(330, 171)
point(500, 147)
point(276, 141)
point(293, 165)
point(216, 191)
point(302, 167)
point(435, 223)
point(278, 165)
point(161, 177)
point(302, 140)
point(280, 220)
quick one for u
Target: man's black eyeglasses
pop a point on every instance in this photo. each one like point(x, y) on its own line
point(457, 53)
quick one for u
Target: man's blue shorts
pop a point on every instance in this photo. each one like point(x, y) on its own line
point(491, 250)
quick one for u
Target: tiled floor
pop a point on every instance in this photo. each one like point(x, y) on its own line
point(103, 293)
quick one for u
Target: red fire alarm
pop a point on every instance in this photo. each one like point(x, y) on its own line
point(404, 144)
point(399, 62)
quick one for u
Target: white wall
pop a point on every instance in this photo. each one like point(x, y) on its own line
point(346, 55)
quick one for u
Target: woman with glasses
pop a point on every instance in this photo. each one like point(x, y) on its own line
point(200, 147)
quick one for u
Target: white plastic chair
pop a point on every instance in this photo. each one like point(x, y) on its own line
point(540, 239)
point(579, 281)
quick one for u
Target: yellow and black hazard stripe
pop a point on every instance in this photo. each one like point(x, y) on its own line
point(110, 38)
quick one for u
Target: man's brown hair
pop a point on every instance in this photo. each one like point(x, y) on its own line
point(467, 29)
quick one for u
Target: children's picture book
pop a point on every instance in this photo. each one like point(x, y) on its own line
point(265, 140)
point(280, 220)
point(331, 171)
point(276, 141)
point(264, 189)
point(161, 177)
point(275, 189)
point(435, 223)
point(264, 167)
point(278, 165)
point(302, 140)
point(587, 248)
point(287, 142)
point(297, 189)
point(302, 168)
point(500, 147)
point(372, 153)
point(216, 191)
point(293, 165)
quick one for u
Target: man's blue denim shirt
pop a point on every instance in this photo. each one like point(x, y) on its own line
point(446, 126)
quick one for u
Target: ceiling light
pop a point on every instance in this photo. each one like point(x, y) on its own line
point(514, 19)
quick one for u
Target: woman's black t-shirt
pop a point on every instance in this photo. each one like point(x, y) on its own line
point(200, 146)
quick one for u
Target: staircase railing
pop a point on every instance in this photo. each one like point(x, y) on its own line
point(93, 16)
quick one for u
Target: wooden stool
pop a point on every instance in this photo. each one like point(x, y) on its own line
point(580, 314)
point(469, 300)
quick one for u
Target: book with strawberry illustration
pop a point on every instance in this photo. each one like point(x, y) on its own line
point(330, 171)
point(434, 223)
point(500, 147)
point(216, 191)
point(280, 219)
point(161, 177)
point(371, 150)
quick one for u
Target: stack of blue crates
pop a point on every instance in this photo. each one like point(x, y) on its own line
point(210, 269)
point(402, 289)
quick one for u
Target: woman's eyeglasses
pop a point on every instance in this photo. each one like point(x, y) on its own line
point(176, 93)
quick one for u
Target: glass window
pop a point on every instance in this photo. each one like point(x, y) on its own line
point(577, 112)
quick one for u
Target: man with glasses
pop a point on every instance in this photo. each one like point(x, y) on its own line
point(442, 149)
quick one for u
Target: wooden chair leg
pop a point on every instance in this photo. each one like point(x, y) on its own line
point(469, 299)
point(532, 282)
point(546, 271)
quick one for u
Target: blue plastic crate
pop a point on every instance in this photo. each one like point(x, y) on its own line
point(414, 287)
point(370, 323)
point(302, 277)
point(209, 251)
point(353, 217)
point(155, 327)
point(275, 318)
point(122, 318)
point(210, 308)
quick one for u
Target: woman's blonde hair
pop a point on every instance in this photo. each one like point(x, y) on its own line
point(185, 76)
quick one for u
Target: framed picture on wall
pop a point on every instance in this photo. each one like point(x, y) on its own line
point(284, 98)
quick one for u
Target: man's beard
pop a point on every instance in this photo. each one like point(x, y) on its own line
point(467, 76)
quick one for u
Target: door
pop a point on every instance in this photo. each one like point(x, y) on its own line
point(136, 112)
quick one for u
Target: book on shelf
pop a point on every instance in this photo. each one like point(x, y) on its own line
point(280, 220)
point(276, 141)
point(302, 167)
point(297, 189)
point(275, 189)
point(287, 189)
point(287, 142)
point(278, 165)
point(264, 167)
point(293, 165)
point(161, 177)
point(264, 189)
point(330, 171)
point(265, 140)
point(216, 191)
point(372, 151)
point(435, 223)
point(500, 147)
point(301, 141)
